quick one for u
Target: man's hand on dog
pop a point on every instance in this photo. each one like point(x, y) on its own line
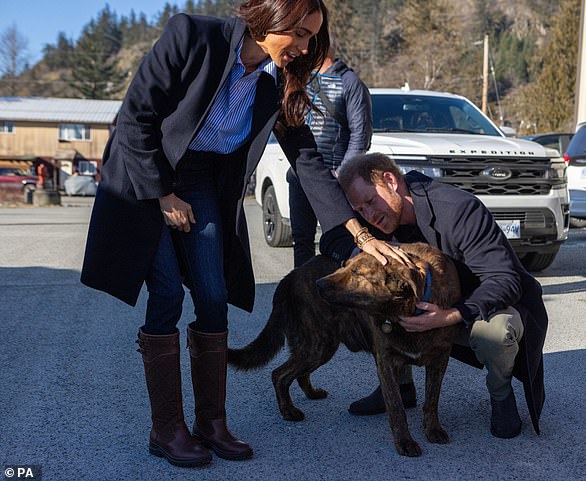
point(433, 317)
point(177, 214)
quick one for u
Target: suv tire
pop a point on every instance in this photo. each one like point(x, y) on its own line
point(276, 232)
point(535, 261)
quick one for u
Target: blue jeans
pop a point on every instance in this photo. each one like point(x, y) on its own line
point(303, 221)
point(201, 252)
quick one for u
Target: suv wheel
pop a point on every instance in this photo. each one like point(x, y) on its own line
point(277, 233)
point(535, 261)
point(577, 222)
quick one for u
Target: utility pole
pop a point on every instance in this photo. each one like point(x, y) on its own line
point(485, 75)
point(580, 98)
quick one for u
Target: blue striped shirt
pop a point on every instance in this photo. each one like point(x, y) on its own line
point(229, 121)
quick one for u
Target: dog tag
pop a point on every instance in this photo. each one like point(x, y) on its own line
point(387, 326)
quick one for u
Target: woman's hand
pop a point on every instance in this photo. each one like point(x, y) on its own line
point(379, 249)
point(375, 247)
point(433, 317)
point(176, 213)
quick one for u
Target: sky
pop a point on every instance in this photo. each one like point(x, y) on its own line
point(40, 21)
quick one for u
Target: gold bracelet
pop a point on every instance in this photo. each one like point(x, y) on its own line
point(362, 237)
point(367, 237)
point(361, 231)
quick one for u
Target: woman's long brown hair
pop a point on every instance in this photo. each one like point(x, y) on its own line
point(274, 16)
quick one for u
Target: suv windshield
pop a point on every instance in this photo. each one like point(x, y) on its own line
point(423, 113)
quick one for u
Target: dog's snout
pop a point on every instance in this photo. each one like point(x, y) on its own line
point(321, 284)
point(324, 289)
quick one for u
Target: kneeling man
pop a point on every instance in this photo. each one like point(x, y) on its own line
point(502, 316)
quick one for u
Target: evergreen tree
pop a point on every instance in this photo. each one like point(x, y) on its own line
point(189, 7)
point(59, 56)
point(136, 29)
point(216, 8)
point(205, 7)
point(512, 57)
point(432, 44)
point(554, 87)
point(168, 11)
point(94, 71)
point(225, 8)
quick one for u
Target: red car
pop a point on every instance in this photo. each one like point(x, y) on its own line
point(14, 181)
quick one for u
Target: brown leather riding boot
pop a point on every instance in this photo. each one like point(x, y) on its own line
point(208, 352)
point(169, 436)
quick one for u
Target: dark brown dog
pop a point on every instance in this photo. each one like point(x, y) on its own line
point(316, 307)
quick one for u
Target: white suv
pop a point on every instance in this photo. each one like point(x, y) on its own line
point(447, 137)
point(576, 158)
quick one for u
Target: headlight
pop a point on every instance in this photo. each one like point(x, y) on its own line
point(557, 171)
point(429, 171)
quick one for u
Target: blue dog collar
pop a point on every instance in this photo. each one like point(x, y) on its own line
point(427, 292)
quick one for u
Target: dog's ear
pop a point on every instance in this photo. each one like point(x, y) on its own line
point(422, 268)
point(419, 275)
point(419, 263)
point(414, 286)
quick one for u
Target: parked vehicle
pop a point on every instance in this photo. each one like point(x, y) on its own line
point(80, 185)
point(576, 158)
point(17, 178)
point(553, 140)
point(447, 137)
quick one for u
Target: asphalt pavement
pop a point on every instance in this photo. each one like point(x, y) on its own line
point(74, 399)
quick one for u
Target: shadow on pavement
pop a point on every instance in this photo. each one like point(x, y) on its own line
point(74, 401)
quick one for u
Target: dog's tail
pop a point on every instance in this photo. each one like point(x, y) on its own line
point(270, 340)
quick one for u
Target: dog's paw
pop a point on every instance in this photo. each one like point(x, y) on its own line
point(408, 447)
point(317, 394)
point(291, 413)
point(437, 435)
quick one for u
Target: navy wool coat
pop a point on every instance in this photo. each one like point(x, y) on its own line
point(163, 110)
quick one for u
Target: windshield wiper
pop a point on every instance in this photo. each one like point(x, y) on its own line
point(453, 129)
point(395, 130)
point(429, 130)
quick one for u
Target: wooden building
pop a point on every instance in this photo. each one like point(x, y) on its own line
point(69, 134)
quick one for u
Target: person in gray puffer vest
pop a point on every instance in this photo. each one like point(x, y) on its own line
point(342, 131)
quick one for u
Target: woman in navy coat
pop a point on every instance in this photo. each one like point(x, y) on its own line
point(168, 211)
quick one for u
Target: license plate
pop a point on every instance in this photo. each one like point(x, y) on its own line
point(511, 228)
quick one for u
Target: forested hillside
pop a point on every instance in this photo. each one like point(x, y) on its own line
point(431, 44)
